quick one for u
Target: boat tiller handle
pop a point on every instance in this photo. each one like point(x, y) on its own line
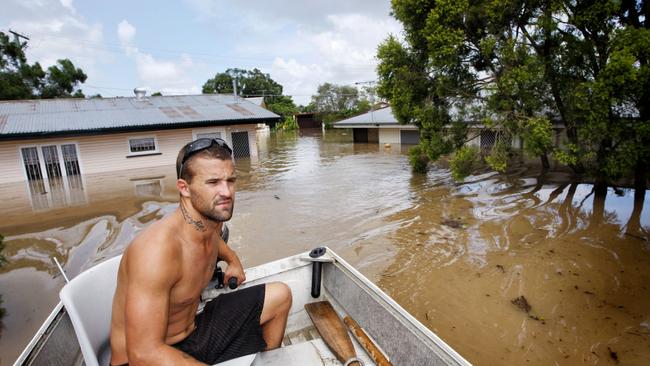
point(218, 277)
point(316, 271)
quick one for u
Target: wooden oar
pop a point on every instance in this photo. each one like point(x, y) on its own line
point(333, 331)
point(364, 340)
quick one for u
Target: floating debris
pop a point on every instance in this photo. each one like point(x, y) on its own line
point(500, 267)
point(453, 223)
point(521, 303)
point(613, 355)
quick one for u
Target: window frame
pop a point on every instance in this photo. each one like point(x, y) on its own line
point(221, 130)
point(41, 161)
point(130, 153)
point(46, 178)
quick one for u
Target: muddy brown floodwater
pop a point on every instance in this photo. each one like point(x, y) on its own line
point(509, 270)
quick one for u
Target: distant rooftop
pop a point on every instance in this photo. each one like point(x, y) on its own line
point(25, 118)
point(379, 117)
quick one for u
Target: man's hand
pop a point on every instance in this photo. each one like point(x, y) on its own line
point(235, 269)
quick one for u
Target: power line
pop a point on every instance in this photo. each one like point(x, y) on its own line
point(202, 56)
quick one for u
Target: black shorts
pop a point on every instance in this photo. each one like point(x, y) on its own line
point(229, 327)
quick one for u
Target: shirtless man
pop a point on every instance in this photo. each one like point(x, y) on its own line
point(166, 267)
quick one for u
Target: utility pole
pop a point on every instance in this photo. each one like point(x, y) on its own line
point(370, 84)
point(234, 89)
point(17, 37)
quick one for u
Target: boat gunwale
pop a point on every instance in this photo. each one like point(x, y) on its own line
point(38, 337)
point(390, 304)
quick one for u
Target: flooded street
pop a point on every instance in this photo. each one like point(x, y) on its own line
point(456, 256)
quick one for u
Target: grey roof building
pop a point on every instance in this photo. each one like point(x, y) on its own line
point(380, 126)
point(46, 117)
point(47, 141)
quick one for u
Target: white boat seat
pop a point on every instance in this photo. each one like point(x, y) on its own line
point(88, 299)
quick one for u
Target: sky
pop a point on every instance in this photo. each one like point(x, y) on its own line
point(175, 46)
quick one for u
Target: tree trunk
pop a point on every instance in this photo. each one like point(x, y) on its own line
point(545, 164)
point(598, 211)
point(640, 180)
point(600, 186)
point(634, 223)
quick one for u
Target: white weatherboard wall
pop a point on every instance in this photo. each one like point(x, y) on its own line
point(110, 152)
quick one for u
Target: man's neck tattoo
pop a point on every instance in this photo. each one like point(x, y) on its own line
point(197, 224)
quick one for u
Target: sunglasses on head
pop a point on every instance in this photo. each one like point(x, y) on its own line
point(200, 145)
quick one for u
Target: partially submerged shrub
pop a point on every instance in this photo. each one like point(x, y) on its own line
point(289, 124)
point(499, 157)
point(463, 162)
point(418, 159)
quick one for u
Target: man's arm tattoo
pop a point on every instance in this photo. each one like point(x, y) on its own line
point(198, 224)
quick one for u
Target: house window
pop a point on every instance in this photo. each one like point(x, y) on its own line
point(70, 160)
point(32, 163)
point(142, 145)
point(50, 161)
point(53, 176)
point(210, 135)
point(209, 132)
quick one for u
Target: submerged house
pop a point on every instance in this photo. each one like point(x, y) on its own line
point(380, 126)
point(41, 140)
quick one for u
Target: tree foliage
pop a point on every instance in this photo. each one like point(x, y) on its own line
point(463, 162)
point(335, 102)
point(289, 124)
point(20, 80)
point(519, 66)
point(252, 83)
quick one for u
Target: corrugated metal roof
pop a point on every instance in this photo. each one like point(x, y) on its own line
point(382, 116)
point(256, 100)
point(47, 116)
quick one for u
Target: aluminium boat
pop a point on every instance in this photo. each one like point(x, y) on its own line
point(316, 276)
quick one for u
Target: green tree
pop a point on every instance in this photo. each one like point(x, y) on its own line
point(331, 98)
point(20, 80)
point(335, 102)
point(517, 66)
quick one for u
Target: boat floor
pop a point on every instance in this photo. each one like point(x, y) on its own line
point(306, 347)
point(312, 352)
point(301, 347)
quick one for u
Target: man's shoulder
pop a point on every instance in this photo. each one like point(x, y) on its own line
point(155, 246)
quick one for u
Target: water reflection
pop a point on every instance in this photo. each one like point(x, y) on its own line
point(56, 192)
point(582, 263)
